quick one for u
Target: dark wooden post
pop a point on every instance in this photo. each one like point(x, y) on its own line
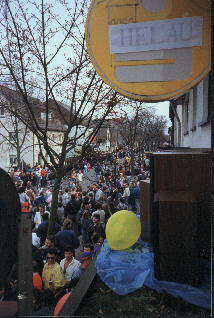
point(25, 274)
point(145, 213)
point(181, 214)
point(9, 211)
point(211, 101)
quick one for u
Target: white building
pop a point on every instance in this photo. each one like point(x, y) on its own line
point(103, 140)
point(16, 140)
point(190, 116)
point(80, 134)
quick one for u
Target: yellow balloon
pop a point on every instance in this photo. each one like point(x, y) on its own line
point(122, 230)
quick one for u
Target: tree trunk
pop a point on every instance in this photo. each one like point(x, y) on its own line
point(18, 158)
point(54, 202)
point(132, 161)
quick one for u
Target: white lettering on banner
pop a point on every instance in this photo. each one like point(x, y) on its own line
point(156, 35)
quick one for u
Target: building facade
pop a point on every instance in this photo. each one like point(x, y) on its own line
point(190, 116)
point(18, 144)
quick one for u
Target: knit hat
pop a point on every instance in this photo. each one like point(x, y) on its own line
point(85, 255)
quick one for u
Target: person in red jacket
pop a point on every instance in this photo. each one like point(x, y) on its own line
point(37, 286)
point(25, 207)
point(44, 176)
point(37, 281)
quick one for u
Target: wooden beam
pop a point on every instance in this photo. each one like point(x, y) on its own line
point(74, 300)
point(8, 308)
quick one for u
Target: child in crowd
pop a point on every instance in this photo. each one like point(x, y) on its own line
point(97, 240)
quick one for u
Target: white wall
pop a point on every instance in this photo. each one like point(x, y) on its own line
point(6, 148)
point(30, 149)
point(201, 138)
point(78, 131)
point(199, 135)
point(176, 126)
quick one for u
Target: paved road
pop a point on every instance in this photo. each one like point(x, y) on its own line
point(89, 179)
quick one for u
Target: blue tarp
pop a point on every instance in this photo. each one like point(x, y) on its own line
point(126, 271)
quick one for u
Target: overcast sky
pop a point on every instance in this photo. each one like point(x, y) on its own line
point(162, 108)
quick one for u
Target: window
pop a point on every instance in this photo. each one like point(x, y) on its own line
point(43, 116)
point(12, 159)
point(205, 102)
point(60, 138)
point(40, 159)
point(194, 107)
point(12, 137)
point(186, 113)
point(2, 111)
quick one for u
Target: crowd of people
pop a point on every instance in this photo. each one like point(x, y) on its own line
point(82, 215)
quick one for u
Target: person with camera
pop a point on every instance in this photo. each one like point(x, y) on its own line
point(53, 278)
